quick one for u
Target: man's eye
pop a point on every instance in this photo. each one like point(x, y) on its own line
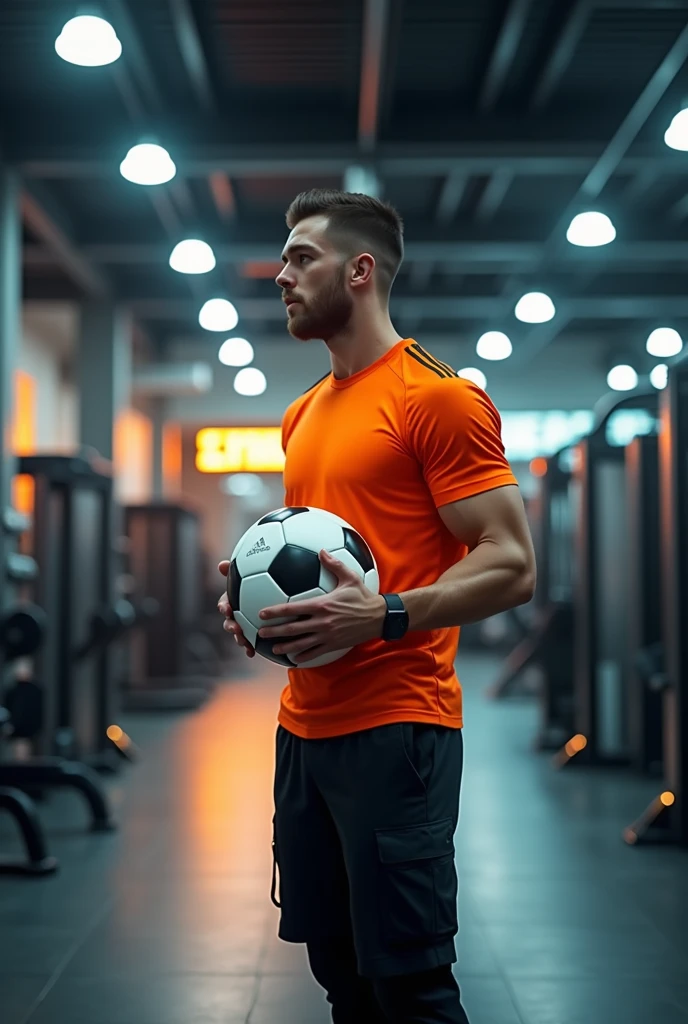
point(303, 257)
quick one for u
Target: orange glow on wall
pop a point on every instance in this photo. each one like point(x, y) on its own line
point(23, 437)
point(239, 450)
point(538, 466)
point(172, 459)
point(133, 456)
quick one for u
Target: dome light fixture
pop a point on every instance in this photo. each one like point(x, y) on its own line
point(535, 308)
point(89, 41)
point(494, 345)
point(192, 256)
point(591, 229)
point(659, 376)
point(676, 135)
point(236, 352)
point(218, 315)
point(622, 378)
point(250, 382)
point(148, 164)
point(475, 375)
point(664, 342)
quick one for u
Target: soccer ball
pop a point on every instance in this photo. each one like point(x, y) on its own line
point(277, 561)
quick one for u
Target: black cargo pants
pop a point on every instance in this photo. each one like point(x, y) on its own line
point(364, 845)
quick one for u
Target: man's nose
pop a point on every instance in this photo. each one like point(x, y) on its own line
point(284, 279)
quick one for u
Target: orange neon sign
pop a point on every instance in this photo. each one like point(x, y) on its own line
point(239, 450)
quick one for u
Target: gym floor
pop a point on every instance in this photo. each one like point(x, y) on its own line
point(169, 921)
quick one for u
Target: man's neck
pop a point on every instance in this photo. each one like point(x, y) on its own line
point(358, 348)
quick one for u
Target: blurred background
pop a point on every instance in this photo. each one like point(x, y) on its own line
point(538, 153)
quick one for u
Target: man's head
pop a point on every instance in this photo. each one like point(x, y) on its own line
point(343, 248)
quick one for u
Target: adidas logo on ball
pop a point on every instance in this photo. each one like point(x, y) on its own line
point(259, 546)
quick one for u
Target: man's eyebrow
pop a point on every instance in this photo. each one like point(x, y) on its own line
point(299, 247)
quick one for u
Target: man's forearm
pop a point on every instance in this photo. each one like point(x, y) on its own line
point(490, 579)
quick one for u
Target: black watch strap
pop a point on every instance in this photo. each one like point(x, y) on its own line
point(396, 620)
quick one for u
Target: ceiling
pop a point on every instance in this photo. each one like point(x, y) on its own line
point(487, 124)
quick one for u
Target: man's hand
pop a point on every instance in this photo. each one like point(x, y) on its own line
point(349, 615)
point(230, 623)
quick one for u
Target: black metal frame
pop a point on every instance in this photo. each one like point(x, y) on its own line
point(591, 453)
point(645, 606)
point(58, 480)
point(674, 542)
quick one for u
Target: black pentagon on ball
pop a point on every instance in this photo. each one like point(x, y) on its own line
point(233, 585)
point(280, 514)
point(295, 570)
point(354, 543)
point(264, 648)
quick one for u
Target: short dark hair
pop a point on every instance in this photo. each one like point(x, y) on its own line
point(357, 219)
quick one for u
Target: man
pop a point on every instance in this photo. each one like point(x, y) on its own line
point(369, 748)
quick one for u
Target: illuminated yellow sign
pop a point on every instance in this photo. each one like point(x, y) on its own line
point(239, 450)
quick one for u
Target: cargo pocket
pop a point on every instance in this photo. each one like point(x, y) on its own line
point(418, 883)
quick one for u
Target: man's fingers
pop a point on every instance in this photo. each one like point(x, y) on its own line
point(224, 567)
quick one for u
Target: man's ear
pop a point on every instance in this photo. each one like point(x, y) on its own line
point(362, 270)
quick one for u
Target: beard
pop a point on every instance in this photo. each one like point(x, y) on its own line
point(325, 315)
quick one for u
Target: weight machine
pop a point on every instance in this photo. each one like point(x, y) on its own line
point(666, 818)
point(548, 644)
point(602, 587)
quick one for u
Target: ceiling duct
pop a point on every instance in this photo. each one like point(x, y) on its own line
point(173, 379)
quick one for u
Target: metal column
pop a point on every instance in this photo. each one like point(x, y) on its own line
point(673, 457)
point(10, 327)
point(104, 372)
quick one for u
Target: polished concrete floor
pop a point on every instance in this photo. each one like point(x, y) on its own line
point(169, 921)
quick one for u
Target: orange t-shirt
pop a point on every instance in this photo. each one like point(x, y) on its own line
point(384, 449)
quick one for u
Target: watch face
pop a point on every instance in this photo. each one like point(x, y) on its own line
point(397, 625)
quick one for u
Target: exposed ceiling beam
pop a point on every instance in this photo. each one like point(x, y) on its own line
point(561, 53)
point(540, 336)
point(223, 195)
point(519, 158)
point(637, 118)
point(193, 55)
point(478, 256)
point(639, 184)
point(431, 307)
point(611, 159)
point(505, 49)
point(493, 195)
point(421, 275)
point(375, 31)
point(45, 221)
point(679, 211)
point(134, 55)
point(450, 197)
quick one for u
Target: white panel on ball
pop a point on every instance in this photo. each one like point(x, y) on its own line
point(317, 592)
point(342, 555)
point(258, 592)
point(372, 581)
point(337, 519)
point(314, 531)
point(259, 546)
point(250, 631)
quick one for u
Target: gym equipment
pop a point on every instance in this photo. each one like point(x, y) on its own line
point(601, 588)
point(666, 818)
point(164, 552)
point(549, 642)
point(21, 633)
point(644, 629)
point(277, 560)
point(71, 541)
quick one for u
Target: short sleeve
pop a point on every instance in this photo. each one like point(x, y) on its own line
point(454, 431)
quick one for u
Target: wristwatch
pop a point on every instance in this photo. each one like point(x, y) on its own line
point(396, 620)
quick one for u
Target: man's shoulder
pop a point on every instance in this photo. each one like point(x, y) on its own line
point(298, 403)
